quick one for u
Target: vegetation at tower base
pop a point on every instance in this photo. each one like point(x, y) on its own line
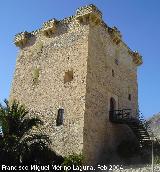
point(17, 145)
point(73, 159)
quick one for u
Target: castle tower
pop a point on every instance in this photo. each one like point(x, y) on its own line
point(72, 73)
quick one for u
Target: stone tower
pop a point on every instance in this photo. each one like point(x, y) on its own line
point(71, 73)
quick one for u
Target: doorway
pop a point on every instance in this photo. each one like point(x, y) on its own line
point(112, 108)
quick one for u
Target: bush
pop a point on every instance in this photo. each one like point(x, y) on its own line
point(74, 159)
point(157, 160)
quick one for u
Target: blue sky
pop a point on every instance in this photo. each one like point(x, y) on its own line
point(138, 21)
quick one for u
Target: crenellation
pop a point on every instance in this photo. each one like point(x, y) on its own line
point(137, 58)
point(35, 32)
point(68, 19)
point(88, 9)
point(89, 15)
point(104, 25)
point(115, 34)
point(49, 27)
point(22, 38)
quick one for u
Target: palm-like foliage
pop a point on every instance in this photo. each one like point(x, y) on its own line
point(16, 144)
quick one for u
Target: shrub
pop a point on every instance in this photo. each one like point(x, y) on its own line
point(74, 159)
point(157, 160)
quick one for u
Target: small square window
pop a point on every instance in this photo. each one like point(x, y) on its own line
point(68, 76)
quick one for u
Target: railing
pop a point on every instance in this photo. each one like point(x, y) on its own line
point(119, 115)
point(137, 124)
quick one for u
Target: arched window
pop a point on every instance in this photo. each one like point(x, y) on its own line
point(60, 116)
point(112, 108)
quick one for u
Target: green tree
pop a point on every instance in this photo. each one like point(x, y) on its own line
point(17, 145)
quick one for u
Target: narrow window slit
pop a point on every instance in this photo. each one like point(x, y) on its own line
point(60, 117)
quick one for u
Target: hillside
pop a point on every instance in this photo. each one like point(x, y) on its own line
point(154, 123)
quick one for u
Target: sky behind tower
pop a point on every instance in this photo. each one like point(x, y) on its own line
point(138, 21)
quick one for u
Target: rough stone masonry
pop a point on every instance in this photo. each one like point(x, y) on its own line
point(71, 73)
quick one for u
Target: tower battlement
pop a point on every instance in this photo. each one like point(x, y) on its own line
point(88, 14)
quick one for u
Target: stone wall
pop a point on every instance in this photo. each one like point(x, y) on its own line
point(39, 84)
point(78, 64)
point(101, 137)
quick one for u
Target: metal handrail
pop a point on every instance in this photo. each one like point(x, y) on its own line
point(120, 114)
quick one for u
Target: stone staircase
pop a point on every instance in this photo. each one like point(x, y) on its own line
point(140, 131)
point(136, 124)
